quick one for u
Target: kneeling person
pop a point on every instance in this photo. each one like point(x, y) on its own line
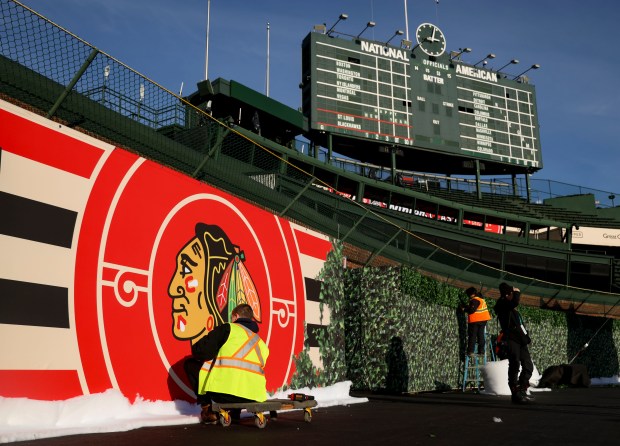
point(228, 364)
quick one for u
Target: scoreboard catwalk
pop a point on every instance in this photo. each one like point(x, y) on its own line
point(418, 97)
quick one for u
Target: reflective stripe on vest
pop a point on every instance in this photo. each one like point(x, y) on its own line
point(251, 344)
point(481, 314)
point(238, 368)
point(237, 359)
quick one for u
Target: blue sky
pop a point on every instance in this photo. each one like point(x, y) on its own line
point(576, 43)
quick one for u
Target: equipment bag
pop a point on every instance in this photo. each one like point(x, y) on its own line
point(501, 346)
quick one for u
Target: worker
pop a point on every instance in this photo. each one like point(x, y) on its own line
point(231, 361)
point(477, 317)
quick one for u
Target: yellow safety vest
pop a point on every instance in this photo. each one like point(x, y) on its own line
point(481, 314)
point(239, 367)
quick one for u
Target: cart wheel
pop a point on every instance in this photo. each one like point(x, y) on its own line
point(260, 421)
point(225, 419)
point(307, 415)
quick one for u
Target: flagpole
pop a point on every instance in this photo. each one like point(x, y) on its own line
point(207, 44)
point(406, 22)
point(267, 82)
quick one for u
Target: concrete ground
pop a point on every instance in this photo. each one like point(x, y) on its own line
point(578, 416)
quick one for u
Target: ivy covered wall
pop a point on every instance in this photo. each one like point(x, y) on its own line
point(395, 330)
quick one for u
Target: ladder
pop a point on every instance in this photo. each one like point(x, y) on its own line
point(471, 370)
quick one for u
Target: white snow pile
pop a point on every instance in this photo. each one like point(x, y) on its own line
point(495, 376)
point(25, 419)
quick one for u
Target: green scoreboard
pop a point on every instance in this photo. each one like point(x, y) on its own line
point(418, 98)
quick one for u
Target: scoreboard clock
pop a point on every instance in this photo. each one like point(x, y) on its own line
point(430, 39)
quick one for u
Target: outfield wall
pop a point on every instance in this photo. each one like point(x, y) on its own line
point(111, 265)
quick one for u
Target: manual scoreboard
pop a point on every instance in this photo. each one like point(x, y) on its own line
point(418, 98)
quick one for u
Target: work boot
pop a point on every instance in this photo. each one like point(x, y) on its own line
point(207, 416)
point(518, 398)
point(518, 395)
point(523, 389)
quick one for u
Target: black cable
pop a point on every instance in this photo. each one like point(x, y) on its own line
point(582, 349)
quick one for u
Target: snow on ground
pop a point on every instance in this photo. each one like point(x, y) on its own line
point(495, 376)
point(495, 373)
point(24, 419)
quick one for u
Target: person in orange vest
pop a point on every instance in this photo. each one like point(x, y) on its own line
point(228, 364)
point(477, 317)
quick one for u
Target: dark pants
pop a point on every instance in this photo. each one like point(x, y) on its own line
point(519, 356)
point(192, 368)
point(475, 335)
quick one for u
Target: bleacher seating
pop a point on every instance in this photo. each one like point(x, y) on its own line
point(519, 206)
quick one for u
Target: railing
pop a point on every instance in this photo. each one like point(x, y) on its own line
point(540, 189)
point(138, 108)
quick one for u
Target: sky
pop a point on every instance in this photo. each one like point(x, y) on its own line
point(573, 41)
point(22, 419)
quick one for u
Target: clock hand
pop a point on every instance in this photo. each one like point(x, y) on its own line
point(433, 36)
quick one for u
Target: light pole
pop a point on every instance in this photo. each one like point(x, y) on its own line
point(368, 25)
point(342, 16)
point(512, 62)
point(533, 67)
point(485, 60)
point(398, 32)
point(461, 51)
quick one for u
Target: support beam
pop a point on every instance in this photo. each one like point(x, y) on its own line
point(299, 194)
point(528, 187)
point(329, 148)
point(71, 84)
point(376, 253)
point(354, 226)
point(478, 190)
point(393, 167)
point(221, 134)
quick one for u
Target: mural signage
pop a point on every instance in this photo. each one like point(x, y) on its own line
point(153, 261)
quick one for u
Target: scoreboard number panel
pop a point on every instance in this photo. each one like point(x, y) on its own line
point(361, 93)
point(498, 119)
point(419, 98)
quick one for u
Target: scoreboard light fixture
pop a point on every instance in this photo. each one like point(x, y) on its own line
point(459, 53)
point(512, 62)
point(406, 44)
point(320, 28)
point(368, 25)
point(533, 67)
point(398, 32)
point(485, 60)
point(342, 16)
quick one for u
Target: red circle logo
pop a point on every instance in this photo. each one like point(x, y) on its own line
point(161, 261)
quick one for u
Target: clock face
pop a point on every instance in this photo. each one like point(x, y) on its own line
point(430, 39)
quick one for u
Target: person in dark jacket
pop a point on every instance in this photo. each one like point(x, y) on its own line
point(477, 317)
point(210, 375)
point(518, 340)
